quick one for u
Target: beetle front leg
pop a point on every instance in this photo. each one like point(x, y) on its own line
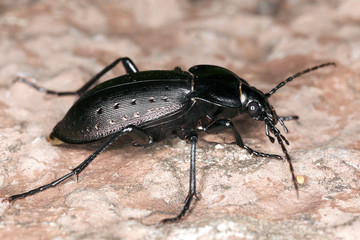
point(228, 124)
point(127, 63)
point(192, 191)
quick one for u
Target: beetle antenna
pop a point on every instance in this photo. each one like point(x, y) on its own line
point(298, 75)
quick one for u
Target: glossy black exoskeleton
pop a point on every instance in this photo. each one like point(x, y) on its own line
point(148, 105)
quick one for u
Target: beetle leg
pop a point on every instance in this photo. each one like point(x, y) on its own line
point(178, 69)
point(192, 191)
point(239, 141)
point(140, 137)
point(75, 171)
point(280, 138)
point(127, 63)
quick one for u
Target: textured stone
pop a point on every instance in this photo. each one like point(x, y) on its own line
point(126, 191)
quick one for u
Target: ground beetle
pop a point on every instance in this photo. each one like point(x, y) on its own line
point(148, 105)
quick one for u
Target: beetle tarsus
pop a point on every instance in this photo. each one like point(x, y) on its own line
point(182, 213)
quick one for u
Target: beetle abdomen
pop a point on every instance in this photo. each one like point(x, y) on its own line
point(108, 108)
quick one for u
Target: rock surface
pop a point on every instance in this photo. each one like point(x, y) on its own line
point(126, 191)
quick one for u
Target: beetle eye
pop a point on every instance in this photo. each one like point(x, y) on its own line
point(253, 108)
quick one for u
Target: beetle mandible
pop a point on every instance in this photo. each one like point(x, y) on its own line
point(147, 105)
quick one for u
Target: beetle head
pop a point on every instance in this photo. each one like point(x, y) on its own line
point(257, 105)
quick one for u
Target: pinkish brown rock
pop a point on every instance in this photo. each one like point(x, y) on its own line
point(126, 191)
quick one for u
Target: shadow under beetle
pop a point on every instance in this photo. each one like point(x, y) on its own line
point(148, 105)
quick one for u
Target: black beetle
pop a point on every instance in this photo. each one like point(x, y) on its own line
point(150, 104)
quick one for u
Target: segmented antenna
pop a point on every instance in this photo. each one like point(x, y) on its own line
point(298, 75)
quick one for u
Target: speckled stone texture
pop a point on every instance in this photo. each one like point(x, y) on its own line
point(126, 191)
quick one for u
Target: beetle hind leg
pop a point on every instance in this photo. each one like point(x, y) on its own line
point(127, 63)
